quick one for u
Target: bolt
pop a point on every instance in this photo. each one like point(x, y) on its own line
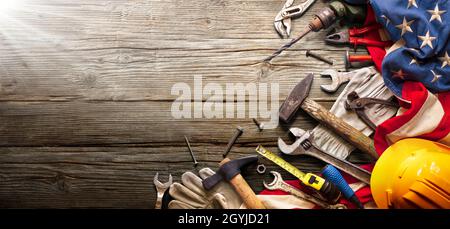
point(233, 140)
point(319, 57)
point(258, 124)
point(190, 151)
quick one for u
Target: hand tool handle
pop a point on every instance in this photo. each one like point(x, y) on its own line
point(361, 58)
point(368, 42)
point(359, 31)
point(340, 127)
point(241, 186)
point(334, 176)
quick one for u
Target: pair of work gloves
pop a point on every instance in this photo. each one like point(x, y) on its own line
point(190, 194)
point(367, 83)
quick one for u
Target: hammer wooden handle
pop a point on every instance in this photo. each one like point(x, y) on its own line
point(241, 186)
point(339, 126)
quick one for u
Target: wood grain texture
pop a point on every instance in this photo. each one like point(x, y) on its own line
point(85, 93)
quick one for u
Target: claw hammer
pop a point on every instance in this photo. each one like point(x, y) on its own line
point(298, 99)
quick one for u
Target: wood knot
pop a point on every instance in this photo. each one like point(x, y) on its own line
point(264, 69)
point(61, 183)
point(8, 86)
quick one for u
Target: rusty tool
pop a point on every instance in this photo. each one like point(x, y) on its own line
point(160, 189)
point(324, 19)
point(337, 79)
point(258, 124)
point(352, 37)
point(298, 99)
point(319, 57)
point(191, 151)
point(237, 134)
point(304, 145)
point(231, 171)
point(279, 184)
point(358, 105)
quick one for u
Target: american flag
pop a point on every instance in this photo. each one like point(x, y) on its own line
point(421, 53)
point(416, 69)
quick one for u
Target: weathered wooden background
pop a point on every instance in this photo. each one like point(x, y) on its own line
point(85, 94)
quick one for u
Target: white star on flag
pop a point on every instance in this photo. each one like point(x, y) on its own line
point(427, 40)
point(414, 61)
point(405, 26)
point(436, 14)
point(445, 60)
point(412, 3)
point(435, 77)
point(399, 74)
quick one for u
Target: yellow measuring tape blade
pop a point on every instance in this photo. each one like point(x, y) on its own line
point(280, 162)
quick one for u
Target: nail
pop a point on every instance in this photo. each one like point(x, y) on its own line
point(319, 57)
point(233, 140)
point(190, 151)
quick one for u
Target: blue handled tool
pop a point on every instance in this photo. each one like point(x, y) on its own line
point(334, 176)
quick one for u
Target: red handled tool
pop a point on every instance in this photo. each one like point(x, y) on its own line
point(353, 37)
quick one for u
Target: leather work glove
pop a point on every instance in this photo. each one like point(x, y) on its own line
point(190, 194)
point(367, 83)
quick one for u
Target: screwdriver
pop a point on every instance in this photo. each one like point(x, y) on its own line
point(324, 19)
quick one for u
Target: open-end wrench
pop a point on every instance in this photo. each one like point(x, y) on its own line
point(337, 79)
point(279, 184)
point(304, 145)
point(160, 189)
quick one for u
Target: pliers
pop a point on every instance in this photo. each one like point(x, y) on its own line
point(353, 37)
point(357, 104)
point(283, 20)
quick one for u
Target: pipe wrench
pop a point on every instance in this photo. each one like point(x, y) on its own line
point(283, 20)
point(304, 145)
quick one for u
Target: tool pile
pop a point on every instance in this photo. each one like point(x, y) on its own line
point(364, 105)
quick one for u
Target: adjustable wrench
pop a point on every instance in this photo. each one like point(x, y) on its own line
point(337, 79)
point(161, 188)
point(304, 145)
point(279, 184)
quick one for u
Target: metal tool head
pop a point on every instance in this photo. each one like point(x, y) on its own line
point(283, 20)
point(337, 79)
point(281, 23)
point(295, 98)
point(228, 171)
point(276, 180)
point(162, 186)
point(296, 147)
point(338, 38)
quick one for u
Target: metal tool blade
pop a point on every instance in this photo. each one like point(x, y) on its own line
point(295, 99)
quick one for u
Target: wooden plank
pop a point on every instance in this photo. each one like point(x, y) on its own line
point(138, 50)
point(109, 177)
point(103, 123)
point(85, 94)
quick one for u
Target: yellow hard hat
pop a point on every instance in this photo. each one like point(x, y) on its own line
point(412, 173)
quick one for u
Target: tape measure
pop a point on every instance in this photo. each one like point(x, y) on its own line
point(308, 179)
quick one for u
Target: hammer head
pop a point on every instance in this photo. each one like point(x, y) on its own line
point(295, 99)
point(228, 170)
